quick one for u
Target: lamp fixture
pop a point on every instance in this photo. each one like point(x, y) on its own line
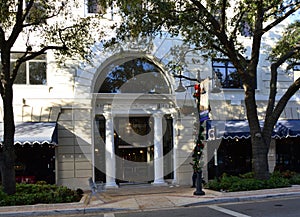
point(216, 87)
point(180, 87)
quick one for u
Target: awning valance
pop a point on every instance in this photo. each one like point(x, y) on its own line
point(231, 129)
point(34, 133)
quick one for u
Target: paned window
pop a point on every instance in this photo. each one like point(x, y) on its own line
point(93, 7)
point(296, 67)
point(32, 71)
point(226, 73)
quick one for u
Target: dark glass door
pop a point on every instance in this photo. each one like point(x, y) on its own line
point(134, 149)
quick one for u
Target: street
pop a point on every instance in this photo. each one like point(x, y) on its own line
point(287, 207)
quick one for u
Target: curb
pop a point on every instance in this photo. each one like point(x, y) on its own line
point(84, 210)
point(243, 198)
point(59, 212)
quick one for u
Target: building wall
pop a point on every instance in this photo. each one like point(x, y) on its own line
point(186, 142)
point(71, 89)
point(74, 152)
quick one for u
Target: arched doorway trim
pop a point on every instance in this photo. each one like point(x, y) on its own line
point(120, 58)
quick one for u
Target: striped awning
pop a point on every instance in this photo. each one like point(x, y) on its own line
point(34, 133)
point(232, 129)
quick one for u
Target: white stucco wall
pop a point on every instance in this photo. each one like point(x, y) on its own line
point(71, 89)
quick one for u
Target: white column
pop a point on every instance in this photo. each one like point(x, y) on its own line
point(175, 146)
point(158, 150)
point(110, 157)
point(272, 155)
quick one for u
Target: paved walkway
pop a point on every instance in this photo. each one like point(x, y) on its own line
point(145, 197)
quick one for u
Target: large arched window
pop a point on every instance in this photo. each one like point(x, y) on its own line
point(135, 76)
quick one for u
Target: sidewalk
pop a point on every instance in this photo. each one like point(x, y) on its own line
point(146, 197)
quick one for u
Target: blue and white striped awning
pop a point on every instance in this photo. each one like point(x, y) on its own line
point(232, 129)
point(34, 133)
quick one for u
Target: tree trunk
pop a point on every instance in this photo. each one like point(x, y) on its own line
point(260, 149)
point(7, 158)
point(8, 155)
point(260, 165)
point(8, 167)
point(8, 172)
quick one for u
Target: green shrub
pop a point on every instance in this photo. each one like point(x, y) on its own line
point(247, 182)
point(277, 182)
point(295, 180)
point(226, 181)
point(28, 194)
point(213, 184)
point(249, 175)
point(246, 185)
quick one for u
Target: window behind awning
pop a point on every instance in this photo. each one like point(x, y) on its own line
point(238, 129)
point(34, 133)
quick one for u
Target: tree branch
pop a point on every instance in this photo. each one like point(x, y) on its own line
point(238, 23)
point(285, 98)
point(18, 26)
point(275, 113)
point(221, 35)
point(38, 22)
point(209, 16)
point(280, 19)
point(256, 41)
point(282, 9)
point(2, 38)
point(223, 16)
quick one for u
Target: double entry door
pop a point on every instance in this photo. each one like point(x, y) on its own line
point(134, 149)
point(134, 139)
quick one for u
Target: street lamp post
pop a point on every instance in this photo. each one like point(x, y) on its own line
point(199, 145)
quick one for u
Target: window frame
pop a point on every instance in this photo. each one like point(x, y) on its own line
point(99, 9)
point(27, 67)
point(227, 66)
point(296, 67)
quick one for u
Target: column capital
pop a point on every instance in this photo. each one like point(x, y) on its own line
point(158, 114)
point(174, 115)
point(107, 111)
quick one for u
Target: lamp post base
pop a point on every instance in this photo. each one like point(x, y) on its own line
point(199, 184)
point(199, 193)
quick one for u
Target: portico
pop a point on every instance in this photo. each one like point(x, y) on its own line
point(136, 118)
point(139, 145)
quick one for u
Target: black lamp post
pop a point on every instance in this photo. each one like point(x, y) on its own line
point(197, 150)
point(199, 145)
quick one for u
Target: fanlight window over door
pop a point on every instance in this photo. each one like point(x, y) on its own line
point(135, 76)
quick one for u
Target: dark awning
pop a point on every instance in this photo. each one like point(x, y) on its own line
point(34, 133)
point(231, 129)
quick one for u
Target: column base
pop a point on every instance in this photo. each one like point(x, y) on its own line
point(175, 183)
point(159, 183)
point(111, 185)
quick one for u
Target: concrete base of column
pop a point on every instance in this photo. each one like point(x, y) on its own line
point(174, 182)
point(111, 185)
point(159, 183)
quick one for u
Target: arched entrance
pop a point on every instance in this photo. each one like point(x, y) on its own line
point(134, 137)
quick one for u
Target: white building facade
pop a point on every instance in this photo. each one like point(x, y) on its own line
point(127, 129)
